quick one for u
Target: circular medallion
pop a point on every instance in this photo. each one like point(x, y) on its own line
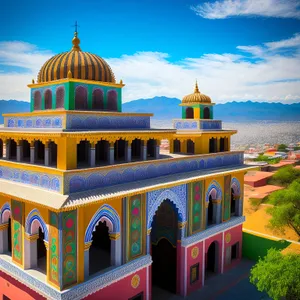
point(195, 252)
point(227, 237)
point(135, 281)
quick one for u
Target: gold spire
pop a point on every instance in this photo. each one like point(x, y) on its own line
point(69, 74)
point(76, 40)
point(196, 90)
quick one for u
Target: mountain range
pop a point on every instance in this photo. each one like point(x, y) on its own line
point(165, 108)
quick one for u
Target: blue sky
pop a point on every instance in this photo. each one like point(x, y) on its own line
point(237, 49)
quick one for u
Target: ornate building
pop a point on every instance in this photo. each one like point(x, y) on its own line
point(90, 208)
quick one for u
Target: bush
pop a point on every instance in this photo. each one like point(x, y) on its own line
point(285, 176)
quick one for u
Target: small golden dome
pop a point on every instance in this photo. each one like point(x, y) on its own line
point(196, 98)
point(83, 65)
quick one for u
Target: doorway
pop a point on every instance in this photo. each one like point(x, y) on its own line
point(211, 266)
point(41, 252)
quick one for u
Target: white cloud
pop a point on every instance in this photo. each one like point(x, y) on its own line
point(287, 43)
point(232, 8)
point(224, 77)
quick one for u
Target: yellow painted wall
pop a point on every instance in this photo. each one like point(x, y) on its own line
point(67, 149)
point(3, 200)
point(196, 113)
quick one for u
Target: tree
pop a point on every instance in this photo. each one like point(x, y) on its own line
point(286, 209)
point(286, 175)
point(282, 147)
point(277, 275)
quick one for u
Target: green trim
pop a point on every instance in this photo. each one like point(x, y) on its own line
point(119, 93)
point(90, 96)
point(183, 112)
point(69, 96)
point(255, 246)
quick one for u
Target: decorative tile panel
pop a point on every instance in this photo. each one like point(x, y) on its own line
point(17, 231)
point(197, 206)
point(40, 179)
point(192, 124)
point(227, 198)
point(102, 177)
point(34, 122)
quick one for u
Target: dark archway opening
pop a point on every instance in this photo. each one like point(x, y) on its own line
point(97, 99)
point(25, 151)
point(226, 144)
point(52, 154)
point(112, 100)
point(100, 250)
point(163, 251)
point(9, 235)
point(39, 152)
point(83, 154)
point(102, 149)
point(190, 147)
point(234, 251)
point(222, 145)
point(81, 102)
point(41, 252)
point(120, 150)
point(189, 113)
point(210, 211)
point(48, 99)
point(12, 149)
point(232, 203)
point(213, 145)
point(1, 148)
point(136, 149)
point(211, 260)
point(60, 97)
point(151, 148)
point(177, 146)
point(37, 100)
point(206, 113)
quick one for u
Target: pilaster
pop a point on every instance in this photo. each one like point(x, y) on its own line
point(3, 238)
point(111, 153)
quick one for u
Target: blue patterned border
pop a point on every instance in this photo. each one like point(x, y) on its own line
point(191, 124)
point(34, 122)
point(92, 121)
point(40, 179)
point(102, 177)
point(211, 124)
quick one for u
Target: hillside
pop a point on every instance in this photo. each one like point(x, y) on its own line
point(165, 108)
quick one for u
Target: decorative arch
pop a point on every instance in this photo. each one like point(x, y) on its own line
point(37, 100)
point(235, 185)
point(104, 213)
point(33, 222)
point(97, 99)
point(60, 97)
point(214, 190)
point(81, 95)
point(112, 100)
point(5, 213)
point(176, 195)
point(189, 113)
point(206, 113)
point(48, 99)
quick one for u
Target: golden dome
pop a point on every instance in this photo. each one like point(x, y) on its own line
point(196, 98)
point(82, 65)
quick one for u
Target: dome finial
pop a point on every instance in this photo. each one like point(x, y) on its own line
point(76, 40)
point(196, 90)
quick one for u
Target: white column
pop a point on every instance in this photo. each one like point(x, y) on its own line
point(128, 152)
point(157, 148)
point(116, 249)
point(218, 211)
point(144, 150)
point(47, 155)
point(111, 153)
point(30, 244)
point(7, 145)
point(3, 238)
point(92, 156)
point(32, 154)
point(18, 152)
point(148, 241)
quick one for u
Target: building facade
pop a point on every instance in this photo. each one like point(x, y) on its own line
point(90, 208)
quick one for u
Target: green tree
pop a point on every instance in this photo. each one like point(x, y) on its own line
point(285, 176)
point(282, 147)
point(277, 275)
point(286, 209)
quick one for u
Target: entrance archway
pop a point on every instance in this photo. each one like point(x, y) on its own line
point(41, 252)
point(100, 250)
point(211, 261)
point(164, 247)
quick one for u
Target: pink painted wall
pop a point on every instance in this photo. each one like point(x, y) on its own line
point(122, 289)
point(15, 290)
point(215, 238)
point(236, 236)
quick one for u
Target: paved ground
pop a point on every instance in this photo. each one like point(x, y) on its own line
point(232, 285)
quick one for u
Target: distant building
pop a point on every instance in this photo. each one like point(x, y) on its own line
point(89, 209)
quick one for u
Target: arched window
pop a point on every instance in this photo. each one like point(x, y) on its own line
point(189, 113)
point(112, 100)
point(176, 146)
point(37, 100)
point(81, 101)
point(190, 147)
point(48, 99)
point(97, 101)
point(60, 97)
point(206, 113)
point(1, 148)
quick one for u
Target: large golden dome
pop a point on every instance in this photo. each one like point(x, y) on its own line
point(83, 65)
point(196, 98)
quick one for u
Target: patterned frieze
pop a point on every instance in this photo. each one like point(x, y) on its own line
point(103, 177)
point(38, 179)
point(53, 121)
point(192, 124)
point(92, 121)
